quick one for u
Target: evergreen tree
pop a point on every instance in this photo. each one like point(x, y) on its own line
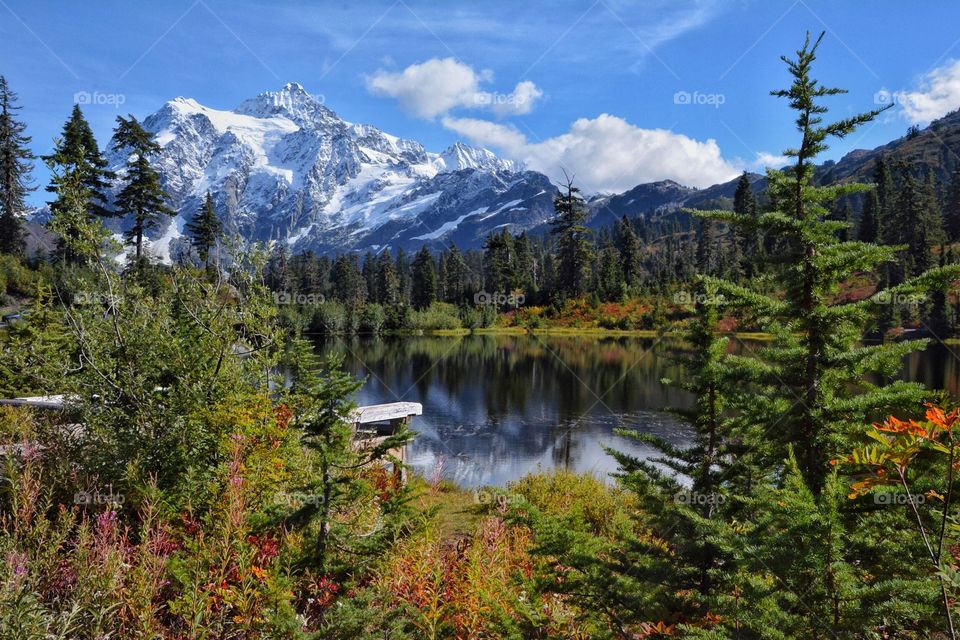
point(458, 274)
point(323, 408)
point(424, 285)
point(574, 253)
point(887, 229)
point(707, 247)
point(868, 231)
point(525, 266)
point(951, 211)
point(142, 195)
point(80, 235)
point(816, 381)
point(748, 236)
point(77, 151)
point(369, 272)
point(499, 263)
point(349, 286)
point(388, 285)
point(631, 257)
point(15, 170)
point(610, 274)
point(204, 229)
point(403, 276)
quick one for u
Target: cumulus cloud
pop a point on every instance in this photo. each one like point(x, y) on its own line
point(938, 95)
point(439, 85)
point(765, 160)
point(606, 153)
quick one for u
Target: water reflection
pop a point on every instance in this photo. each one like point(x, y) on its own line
point(498, 407)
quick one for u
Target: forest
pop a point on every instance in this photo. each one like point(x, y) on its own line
point(203, 480)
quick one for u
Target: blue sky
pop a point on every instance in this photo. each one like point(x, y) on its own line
point(617, 92)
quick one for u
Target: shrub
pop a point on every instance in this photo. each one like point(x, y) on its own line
point(372, 319)
point(439, 315)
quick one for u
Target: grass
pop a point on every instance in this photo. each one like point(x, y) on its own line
point(457, 510)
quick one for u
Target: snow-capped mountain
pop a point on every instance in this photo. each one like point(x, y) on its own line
point(282, 166)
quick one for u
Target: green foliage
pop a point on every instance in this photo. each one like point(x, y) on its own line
point(15, 170)
point(142, 195)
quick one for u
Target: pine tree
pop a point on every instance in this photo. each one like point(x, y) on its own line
point(77, 151)
point(869, 219)
point(814, 330)
point(610, 274)
point(951, 211)
point(424, 284)
point(323, 404)
point(573, 247)
point(707, 247)
point(630, 253)
point(142, 196)
point(458, 274)
point(388, 285)
point(748, 237)
point(499, 263)
point(525, 266)
point(349, 286)
point(817, 381)
point(204, 229)
point(887, 229)
point(15, 170)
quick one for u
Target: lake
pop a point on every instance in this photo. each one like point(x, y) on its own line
point(496, 407)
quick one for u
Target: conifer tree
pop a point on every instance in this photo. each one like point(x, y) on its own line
point(77, 151)
point(499, 263)
point(457, 276)
point(748, 238)
point(951, 211)
point(818, 385)
point(15, 170)
point(525, 267)
point(388, 285)
point(142, 195)
point(573, 247)
point(323, 402)
point(868, 230)
point(204, 229)
point(630, 253)
point(707, 247)
point(609, 274)
point(424, 280)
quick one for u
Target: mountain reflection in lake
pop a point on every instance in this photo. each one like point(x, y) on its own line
point(498, 407)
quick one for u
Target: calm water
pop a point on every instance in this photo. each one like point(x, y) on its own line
point(498, 407)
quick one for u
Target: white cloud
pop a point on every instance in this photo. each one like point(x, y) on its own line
point(439, 85)
point(938, 95)
point(606, 153)
point(765, 160)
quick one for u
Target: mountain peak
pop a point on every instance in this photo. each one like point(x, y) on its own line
point(292, 101)
point(460, 156)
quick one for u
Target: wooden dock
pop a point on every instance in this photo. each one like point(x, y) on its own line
point(375, 423)
point(372, 424)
